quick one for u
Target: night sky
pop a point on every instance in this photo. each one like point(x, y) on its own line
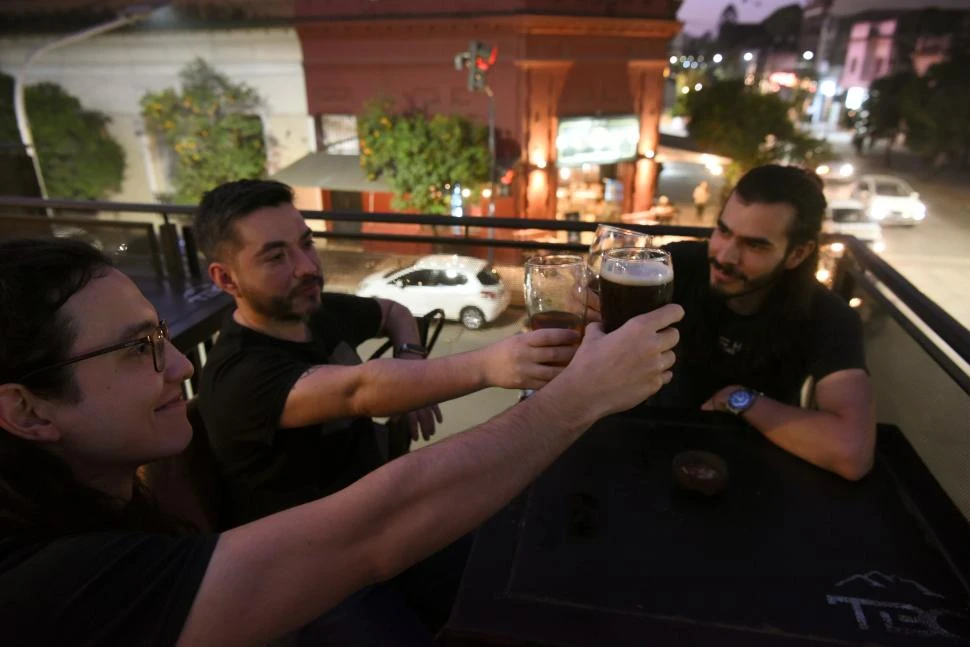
point(699, 16)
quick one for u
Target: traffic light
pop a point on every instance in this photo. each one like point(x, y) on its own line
point(478, 60)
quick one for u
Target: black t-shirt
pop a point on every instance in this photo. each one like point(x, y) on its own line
point(243, 390)
point(828, 338)
point(113, 588)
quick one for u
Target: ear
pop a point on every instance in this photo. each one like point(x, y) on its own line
point(20, 415)
point(221, 275)
point(798, 254)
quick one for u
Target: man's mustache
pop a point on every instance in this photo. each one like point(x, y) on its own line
point(727, 270)
point(309, 281)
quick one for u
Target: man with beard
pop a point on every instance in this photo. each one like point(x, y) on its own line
point(759, 326)
point(287, 403)
point(284, 396)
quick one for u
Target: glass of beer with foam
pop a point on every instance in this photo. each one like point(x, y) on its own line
point(555, 292)
point(633, 281)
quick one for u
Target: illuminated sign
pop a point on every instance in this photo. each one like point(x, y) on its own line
point(785, 79)
point(597, 140)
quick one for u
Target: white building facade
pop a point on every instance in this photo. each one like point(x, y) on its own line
point(111, 73)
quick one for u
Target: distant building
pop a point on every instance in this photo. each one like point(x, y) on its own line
point(578, 89)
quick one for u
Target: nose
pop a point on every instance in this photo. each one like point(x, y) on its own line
point(307, 263)
point(178, 368)
point(728, 254)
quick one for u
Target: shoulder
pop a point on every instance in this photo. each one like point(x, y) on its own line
point(103, 588)
point(687, 253)
point(689, 259)
point(334, 305)
point(344, 317)
point(829, 309)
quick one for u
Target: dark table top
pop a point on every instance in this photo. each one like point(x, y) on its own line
point(194, 312)
point(605, 549)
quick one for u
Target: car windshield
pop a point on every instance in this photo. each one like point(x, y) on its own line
point(488, 276)
point(848, 214)
point(388, 273)
point(892, 189)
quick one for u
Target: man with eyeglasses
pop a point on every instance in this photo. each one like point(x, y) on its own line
point(90, 389)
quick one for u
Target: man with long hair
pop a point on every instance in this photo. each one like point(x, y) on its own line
point(759, 325)
point(91, 388)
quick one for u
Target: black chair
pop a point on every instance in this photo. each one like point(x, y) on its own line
point(429, 327)
point(434, 320)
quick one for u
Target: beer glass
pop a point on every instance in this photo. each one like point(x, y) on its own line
point(609, 237)
point(634, 281)
point(555, 292)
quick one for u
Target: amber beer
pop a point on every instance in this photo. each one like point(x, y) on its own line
point(634, 286)
point(556, 319)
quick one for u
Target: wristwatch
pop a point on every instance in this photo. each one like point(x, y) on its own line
point(414, 349)
point(740, 400)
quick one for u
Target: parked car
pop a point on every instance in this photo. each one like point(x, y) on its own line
point(848, 217)
point(468, 289)
point(889, 200)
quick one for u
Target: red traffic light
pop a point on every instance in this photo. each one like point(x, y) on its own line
point(483, 63)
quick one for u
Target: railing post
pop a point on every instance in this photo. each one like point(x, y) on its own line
point(191, 253)
point(170, 250)
point(156, 249)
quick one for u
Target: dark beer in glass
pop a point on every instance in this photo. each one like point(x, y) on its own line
point(634, 282)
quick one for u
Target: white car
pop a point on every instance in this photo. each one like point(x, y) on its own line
point(468, 289)
point(848, 217)
point(889, 200)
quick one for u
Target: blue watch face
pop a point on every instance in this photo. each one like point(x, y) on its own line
point(740, 399)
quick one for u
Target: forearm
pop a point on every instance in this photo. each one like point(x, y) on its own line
point(836, 443)
point(285, 570)
point(390, 386)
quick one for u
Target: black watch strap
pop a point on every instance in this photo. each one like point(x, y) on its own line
point(414, 349)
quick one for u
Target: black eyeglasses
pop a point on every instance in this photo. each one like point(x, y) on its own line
point(156, 339)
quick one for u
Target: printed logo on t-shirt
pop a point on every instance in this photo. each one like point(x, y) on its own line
point(729, 346)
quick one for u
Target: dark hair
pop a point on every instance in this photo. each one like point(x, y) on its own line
point(774, 184)
point(223, 205)
point(39, 495)
point(785, 311)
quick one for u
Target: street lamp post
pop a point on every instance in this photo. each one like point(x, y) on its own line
point(131, 15)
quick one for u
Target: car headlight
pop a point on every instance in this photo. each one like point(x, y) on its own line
point(920, 211)
point(878, 212)
point(822, 169)
point(846, 170)
point(879, 247)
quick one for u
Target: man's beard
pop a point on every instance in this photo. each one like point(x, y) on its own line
point(748, 285)
point(281, 308)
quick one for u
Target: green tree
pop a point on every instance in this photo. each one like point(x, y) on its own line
point(78, 156)
point(935, 110)
point(211, 126)
point(884, 112)
point(421, 156)
point(734, 120)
